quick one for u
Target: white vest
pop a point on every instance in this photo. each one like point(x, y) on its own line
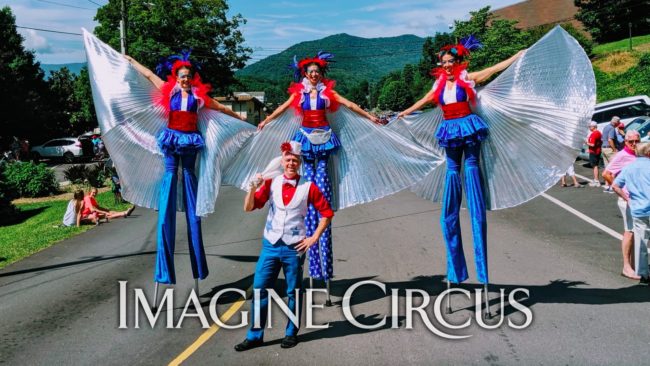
point(286, 222)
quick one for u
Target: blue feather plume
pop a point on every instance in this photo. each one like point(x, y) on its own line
point(471, 42)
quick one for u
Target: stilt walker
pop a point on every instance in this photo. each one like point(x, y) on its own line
point(152, 127)
point(534, 113)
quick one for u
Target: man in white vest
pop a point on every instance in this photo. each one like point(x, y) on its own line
point(284, 243)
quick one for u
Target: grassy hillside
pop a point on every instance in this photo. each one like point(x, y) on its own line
point(621, 73)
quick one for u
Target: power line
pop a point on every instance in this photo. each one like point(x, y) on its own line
point(62, 4)
point(91, 1)
point(48, 30)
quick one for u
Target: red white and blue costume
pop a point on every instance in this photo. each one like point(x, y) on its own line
point(315, 163)
point(349, 158)
point(461, 133)
point(518, 135)
point(290, 200)
point(149, 133)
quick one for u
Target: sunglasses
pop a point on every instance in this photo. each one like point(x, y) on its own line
point(185, 76)
point(313, 71)
point(633, 141)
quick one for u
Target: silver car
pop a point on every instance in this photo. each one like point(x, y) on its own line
point(67, 148)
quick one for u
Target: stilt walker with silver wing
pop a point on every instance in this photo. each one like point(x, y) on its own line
point(151, 126)
point(528, 125)
point(350, 158)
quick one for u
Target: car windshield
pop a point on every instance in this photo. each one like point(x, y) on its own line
point(644, 129)
point(635, 124)
point(628, 111)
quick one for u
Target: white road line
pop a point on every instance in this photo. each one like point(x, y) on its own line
point(584, 178)
point(583, 216)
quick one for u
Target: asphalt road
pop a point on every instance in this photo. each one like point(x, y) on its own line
point(61, 306)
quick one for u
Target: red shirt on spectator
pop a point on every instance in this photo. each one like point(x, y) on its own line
point(89, 201)
point(315, 196)
point(596, 138)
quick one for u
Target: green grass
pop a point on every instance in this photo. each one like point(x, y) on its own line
point(621, 45)
point(38, 228)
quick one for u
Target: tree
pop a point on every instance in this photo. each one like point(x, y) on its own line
point(159, 28)
point(607, 20)
point(61, 84)
point(73, 111)
point(500, 37)
point(359, 94)
point(395, 96)
point(83, 118)
point(23, 88)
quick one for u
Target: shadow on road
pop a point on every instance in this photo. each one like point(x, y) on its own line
point(75, 263)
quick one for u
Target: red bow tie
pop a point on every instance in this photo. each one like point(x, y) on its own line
point(292, 182)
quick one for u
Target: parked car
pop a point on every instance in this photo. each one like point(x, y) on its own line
point(67, 148)
point(627, 109)
point(641, 124)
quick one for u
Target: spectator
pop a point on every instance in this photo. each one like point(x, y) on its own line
point(571, 173)
point(24, 150)
point(72, 216)
point(15, 148)
point(116, 188)
point(622, 159)
point(636, 179)
point(594, 141)
point(620, 136)
point(91, 208)
point(609, 143)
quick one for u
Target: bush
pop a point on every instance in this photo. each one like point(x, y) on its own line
point(27, 179)
point(644, 61)
point(8, 211)
point(97, 175)
point(76, 174)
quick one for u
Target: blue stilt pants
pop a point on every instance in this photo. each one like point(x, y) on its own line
point(449, 220)
point(167, 220)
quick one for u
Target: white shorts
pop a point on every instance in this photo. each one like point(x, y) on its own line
point(571, 172)
point(628, 225)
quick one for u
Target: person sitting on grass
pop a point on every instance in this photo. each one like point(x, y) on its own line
point(91, 208)
point(72, 216)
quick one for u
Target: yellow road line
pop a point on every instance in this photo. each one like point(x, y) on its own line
point(208, 333)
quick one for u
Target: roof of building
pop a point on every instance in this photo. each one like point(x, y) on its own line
point(239, 98)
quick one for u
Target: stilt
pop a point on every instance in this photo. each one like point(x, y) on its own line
point(328, 302)
point(196, 287)
point(311, 282)
point(486, 314)
point(448, 297)
point(155, 297)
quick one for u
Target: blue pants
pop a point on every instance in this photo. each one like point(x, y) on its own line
point(167, 220)
point(272, 259)
point(320, 255)
point(449, 220)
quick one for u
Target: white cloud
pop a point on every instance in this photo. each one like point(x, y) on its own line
point(35, 42)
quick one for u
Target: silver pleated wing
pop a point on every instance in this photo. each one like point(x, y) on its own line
point(537, 110)
point(373, 161)
point(130, 119)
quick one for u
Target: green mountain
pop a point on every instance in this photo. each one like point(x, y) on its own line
point(367, 58)
point(356, 59)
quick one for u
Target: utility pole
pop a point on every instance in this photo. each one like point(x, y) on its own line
point(123, 28)
point(629, 25)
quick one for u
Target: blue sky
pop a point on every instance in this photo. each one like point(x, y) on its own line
point(271, 25)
